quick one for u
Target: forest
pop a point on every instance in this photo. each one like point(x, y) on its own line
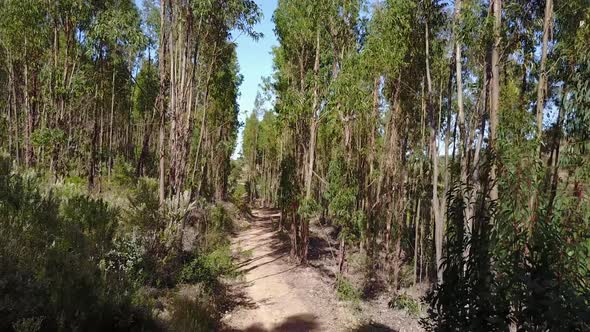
point(438, 149)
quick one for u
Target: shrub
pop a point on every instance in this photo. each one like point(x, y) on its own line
point(220, 221)
point(32, 324)
point(346, 291)
point(54, 259)
point(406, 303)
point(207, 269)
point(239, 197)
point(124, 174)
point(192, 310)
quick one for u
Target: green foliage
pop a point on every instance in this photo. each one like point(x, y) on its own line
point(389, 36)
point(250, 152)
point(53, 258)
point(208, 268)
point(288, 184)
point(309, 208)
point(117, 27)
point(146, 90)
point(32, 324)
point(406, 303)
point(506, 279)
point(346, 291)
point(123, 174)
point(342, 198)
point(193, 311)
point(48, 138)
point(220, 220)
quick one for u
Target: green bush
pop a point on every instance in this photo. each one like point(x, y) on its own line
point(239, 197)
point(123, 174)
point(406, 303)
point(346, 291)
point(207, 269)
point(69, 261)
point(54, 255)
point(32, 324)
point(220, 220)
point(192, 310)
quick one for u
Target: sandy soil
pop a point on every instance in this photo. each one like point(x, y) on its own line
point(275, 294)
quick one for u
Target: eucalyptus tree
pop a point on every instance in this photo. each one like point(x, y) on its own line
point(194, 46)
point(25, 34)
point(145, 114)
point(386, 53)
point(250, 149)
point(65, 44)
point(113, 42)
point(298, 28)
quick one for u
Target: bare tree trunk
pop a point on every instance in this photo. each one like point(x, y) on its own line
point(541, 94)
point(30, 116)
point(14, 108)
point(554, 178)
point(342, 256)
point(396, 261)
point(10, 104)
point(145, 146)
point(294, 242)
point(110, 160)
point(495, 93)
point(416, 238)
point(94, 145)
point(438, 222)
point(311, 148)
point(542, 87)
point(161, 102)
point(462, 142)
point(372, 152)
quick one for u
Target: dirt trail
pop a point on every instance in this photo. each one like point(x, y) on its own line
point(275, 294)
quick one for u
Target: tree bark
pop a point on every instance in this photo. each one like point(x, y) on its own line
point(161, 103)
point(462, 142)
point(94, 145)
point(542, 87)
point(495, 95)
point(438, 222)
point(112, 115)
point(311, 148)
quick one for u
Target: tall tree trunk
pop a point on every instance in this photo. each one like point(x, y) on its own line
point(30, 116)
point(11, 105)
point(341, 256)
point(541, 95)
point(462, 142)
point(311, 148)
point(416, 237)
point(542, 87)
point(145, 146)
point(495, 95)
point(94, 144)
point(372, 153)
point(438, 222)
point(111, 120)
point(161, 104)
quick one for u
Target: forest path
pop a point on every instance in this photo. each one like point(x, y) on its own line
point(274, 294)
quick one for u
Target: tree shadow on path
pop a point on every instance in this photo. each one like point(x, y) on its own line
point(374, 327)
point(296, 323)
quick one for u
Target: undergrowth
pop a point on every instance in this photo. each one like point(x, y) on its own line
point(346, 291)
point(406, 303)
point(74, 261)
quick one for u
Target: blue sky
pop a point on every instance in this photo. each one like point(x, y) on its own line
point(255, 61)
